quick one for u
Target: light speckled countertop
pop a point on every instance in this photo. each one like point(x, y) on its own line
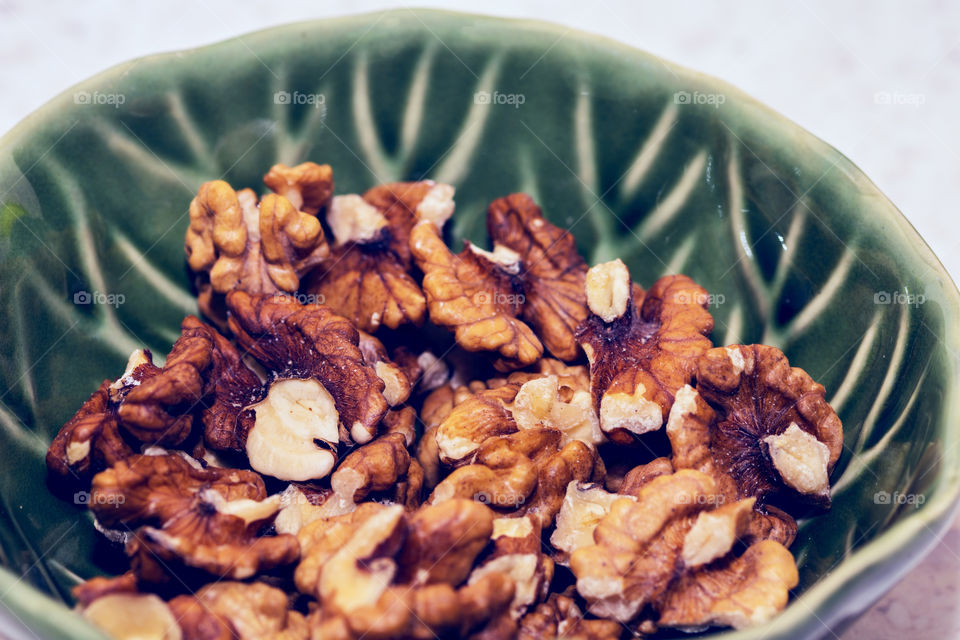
point(879, 81)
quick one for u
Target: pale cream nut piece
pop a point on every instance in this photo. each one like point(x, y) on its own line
point(523, 568)
point(246, 509)
point(504, 257)
point(437, 206)
point(801, 460)
point(362, 570)
point(714, 533)
point(294, 414)
point(608, 290)
point(538, 405)
point(631, 412)
point(353, 219)
point(129, 616)
point(584, 506)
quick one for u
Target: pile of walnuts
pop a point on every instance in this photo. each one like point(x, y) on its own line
point(320, 459)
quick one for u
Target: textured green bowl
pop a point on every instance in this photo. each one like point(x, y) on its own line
point(668, 169)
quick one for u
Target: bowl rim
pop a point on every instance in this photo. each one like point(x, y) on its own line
point(852, 574)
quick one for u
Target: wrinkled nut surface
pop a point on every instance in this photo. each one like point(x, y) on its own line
point(239, 610)
point(308, 186)
point(690, 429)
point(358, 574)
point(476, 418)
point(310, 341)
point(184, 515)
point(553, 271)
point(637, 544)
point(89, 440)
point(258, 248)
point(478, 295)
point(560, 617)
point(641, 353)
point(367, 278)
point(739, 592)
point(398, 379)
point(133, 616)
point(443, 542)
point(775, 432)
point(517, 554)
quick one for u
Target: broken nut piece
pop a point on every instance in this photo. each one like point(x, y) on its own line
point(295, 432)
point(775, 433)
point(367, 278)
point(133, 616)
point(640, 353)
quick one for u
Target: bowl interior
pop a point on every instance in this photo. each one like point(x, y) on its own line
point(667, 169)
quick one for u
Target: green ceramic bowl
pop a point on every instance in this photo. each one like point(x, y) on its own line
point(668, 169)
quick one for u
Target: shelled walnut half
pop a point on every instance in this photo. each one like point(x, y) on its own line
point(641, 352)
point(367, 277)
point(234, 242)
point(490, 299)
point(320, 392)
point(187, 518)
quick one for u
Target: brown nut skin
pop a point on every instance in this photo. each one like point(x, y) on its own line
point(99, 586)
point(645, 354)
point(691, 429)
point(88, 442)
point(271, 256)
point(398, 380)
point(300, 341)
point(560, 617)
point(424, 613)
point(476, 417)
point(308, 186)
point(443, 542)
point(638, 544)
point(638, 477)
point(476, 296)
point(500, 477)
point(553, 271)
point(229, 386)
point(757, 394)
point(203, 375)
point(523, 473)
point(376, 466)
point(159, 410)
point(367, 280)
point(182, 518)
point(735, 591)
point(238, 610)
point(321, 539)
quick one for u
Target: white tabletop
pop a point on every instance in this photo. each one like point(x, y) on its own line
point(880, 81)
